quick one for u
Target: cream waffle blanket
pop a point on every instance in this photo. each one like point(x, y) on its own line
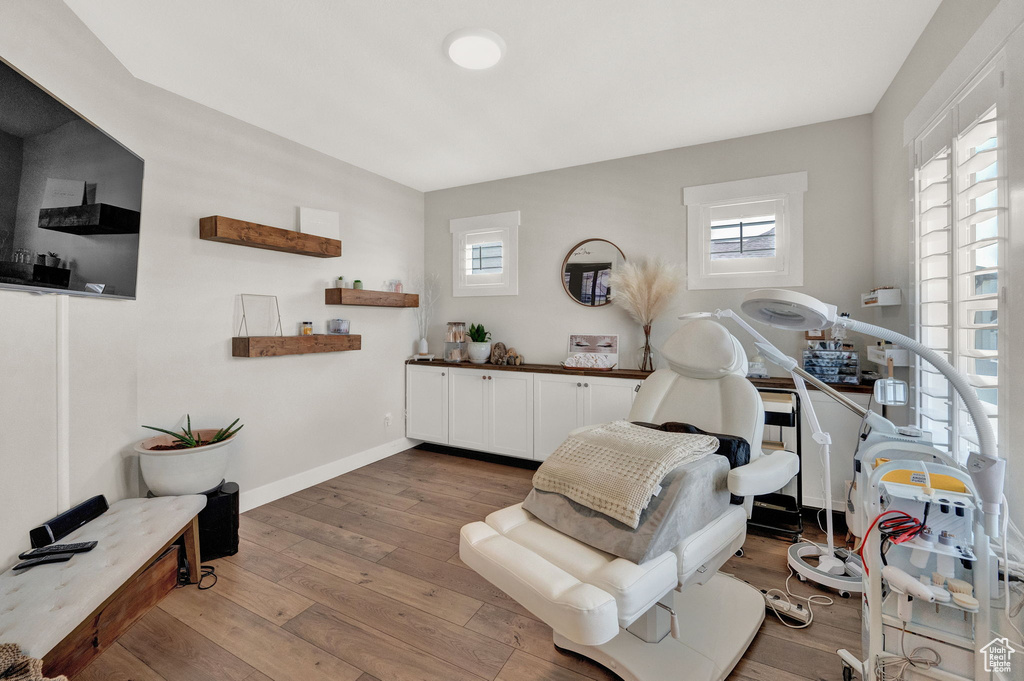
point(616, 467)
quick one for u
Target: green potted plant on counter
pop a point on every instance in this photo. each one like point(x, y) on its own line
point(480, 345)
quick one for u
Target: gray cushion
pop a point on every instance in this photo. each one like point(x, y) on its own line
point(692, 496)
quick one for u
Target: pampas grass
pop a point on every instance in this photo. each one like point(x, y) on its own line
point(643, 287)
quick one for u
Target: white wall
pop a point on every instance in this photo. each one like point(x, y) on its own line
point(154, 359)
point(636, 203)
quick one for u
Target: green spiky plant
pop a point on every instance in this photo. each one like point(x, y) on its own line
point(188, 439)
point(477, 333)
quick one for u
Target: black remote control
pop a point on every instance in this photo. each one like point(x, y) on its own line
point(43, 560)
point(81, 547)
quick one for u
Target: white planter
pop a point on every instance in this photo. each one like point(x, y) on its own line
point(479, 353)
point(183, 471)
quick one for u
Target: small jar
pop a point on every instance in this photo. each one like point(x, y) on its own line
point(306, 329)
point(358, 283)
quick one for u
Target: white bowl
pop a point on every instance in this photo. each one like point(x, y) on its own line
point(183, 471)
point(479, 353)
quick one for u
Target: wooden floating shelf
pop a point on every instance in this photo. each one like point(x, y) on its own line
point(93, 218)
point(273, 346)
point(358, 296)
point(241, 233)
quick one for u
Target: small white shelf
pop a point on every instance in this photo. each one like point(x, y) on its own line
point(884, 297)
point(900, 356)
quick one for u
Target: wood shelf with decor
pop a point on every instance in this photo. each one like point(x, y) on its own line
point(274, 346)
point(358, 296)
point(241, 233)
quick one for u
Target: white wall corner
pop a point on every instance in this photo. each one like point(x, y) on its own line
point(250, 499)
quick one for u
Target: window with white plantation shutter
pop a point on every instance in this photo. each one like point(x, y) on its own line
point(960, 205)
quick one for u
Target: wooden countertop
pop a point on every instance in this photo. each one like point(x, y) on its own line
point(539, 369)
point(778, 383)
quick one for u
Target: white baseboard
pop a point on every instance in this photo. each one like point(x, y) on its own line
point(282, 488)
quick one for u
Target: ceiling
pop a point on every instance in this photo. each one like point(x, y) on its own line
point(582, 80)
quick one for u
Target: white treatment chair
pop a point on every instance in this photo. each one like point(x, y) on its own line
point(614, 611)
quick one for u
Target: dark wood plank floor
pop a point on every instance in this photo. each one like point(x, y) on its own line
point(359, 579)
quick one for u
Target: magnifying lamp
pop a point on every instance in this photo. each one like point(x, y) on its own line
point(794, 311)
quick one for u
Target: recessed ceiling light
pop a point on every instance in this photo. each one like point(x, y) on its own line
point(474, 48)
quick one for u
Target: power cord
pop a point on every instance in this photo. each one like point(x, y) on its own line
point(788, 594)
point(204, 572)
point(898, 666)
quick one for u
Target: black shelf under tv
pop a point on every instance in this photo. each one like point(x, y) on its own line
point(92, 218)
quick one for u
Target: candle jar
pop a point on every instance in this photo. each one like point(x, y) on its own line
point(306, 329)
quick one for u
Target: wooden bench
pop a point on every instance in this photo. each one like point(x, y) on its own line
point(68, 613)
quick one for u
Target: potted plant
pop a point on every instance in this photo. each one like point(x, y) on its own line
point(186, 462)
point(480, 345)
point(52, 259)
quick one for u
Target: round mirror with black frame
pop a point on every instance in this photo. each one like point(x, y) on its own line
point(586, 268)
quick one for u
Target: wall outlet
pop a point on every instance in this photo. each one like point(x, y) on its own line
point(387, 419)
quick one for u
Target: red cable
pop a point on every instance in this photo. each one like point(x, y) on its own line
point(860, 551)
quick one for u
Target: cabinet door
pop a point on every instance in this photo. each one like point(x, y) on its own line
point(467, 409)
point(557, 409)
point(607, 399)
point(511, 413)
point(844, 426)
point(426, 403)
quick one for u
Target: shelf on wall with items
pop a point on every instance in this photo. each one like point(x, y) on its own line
point(89, 219)
point(241, 233)
point(364, 297)
point(274, 346)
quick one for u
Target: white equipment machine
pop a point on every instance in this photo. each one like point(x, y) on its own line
point(674, 616)
point(925, 520)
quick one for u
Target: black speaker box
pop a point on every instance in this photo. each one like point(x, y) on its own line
point(218, 523)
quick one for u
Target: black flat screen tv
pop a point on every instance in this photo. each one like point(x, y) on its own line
point(70, 198)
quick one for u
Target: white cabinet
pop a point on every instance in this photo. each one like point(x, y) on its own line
point(513, 413)
point(562, 403)
point(490, 411)
point(467, 392)
point(426, 403)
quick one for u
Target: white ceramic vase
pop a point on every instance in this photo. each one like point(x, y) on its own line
point(423, 348)
point(175, 472)
point(479, 353)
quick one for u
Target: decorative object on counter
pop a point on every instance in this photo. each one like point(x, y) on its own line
point(338, 326)
point(586, 270)
point(358, 284)
point(431, 288)
point(392, 286)
point(455, 349)
point(513, 358)
point(590, 360)
point(756, 367)
point(186, 462)
point(498, 353)
point(52, 259)
point(606, 346)
point(643, 288)
point(480, 344)
point(340, 283)
point(261, 316)
point(305, 328)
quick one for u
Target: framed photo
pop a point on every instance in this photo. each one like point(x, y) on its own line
point(598, 344)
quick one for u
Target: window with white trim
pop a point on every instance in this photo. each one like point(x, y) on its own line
point(747, 233)
point(960, 194)
point(485, 255)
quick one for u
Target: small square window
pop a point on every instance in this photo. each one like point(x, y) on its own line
point(746, 234)
point(484, 255)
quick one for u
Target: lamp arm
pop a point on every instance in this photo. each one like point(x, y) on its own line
point(986, 468)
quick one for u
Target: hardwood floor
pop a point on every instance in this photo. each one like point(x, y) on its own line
point(358, 579)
